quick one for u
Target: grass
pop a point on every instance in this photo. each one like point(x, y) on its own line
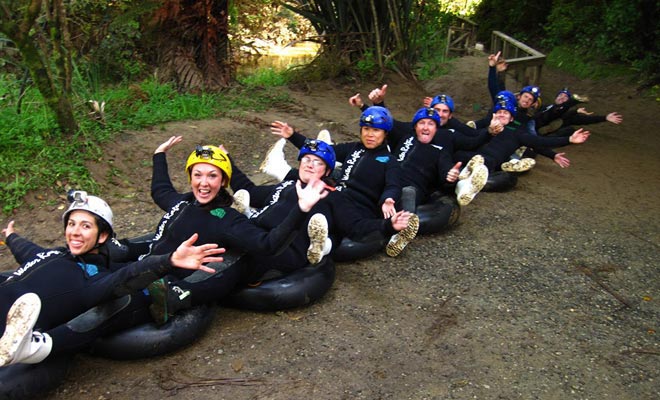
point(35, 156)
point(584, 65)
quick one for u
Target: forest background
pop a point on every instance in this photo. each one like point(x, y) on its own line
point(73, 74)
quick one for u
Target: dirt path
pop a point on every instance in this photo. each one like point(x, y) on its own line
point(549, 291)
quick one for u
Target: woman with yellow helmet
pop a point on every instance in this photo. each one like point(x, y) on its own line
point(206, 209)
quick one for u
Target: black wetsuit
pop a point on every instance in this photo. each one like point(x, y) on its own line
point(368, 176)
point(569, 116)
point(213, 222)
point(70, 285)
point(272, 202)
point(425, 166)
point(500, 147)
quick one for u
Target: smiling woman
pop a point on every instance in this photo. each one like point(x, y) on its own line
point(74, 279)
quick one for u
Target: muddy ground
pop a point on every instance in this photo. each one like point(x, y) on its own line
point(548, 291)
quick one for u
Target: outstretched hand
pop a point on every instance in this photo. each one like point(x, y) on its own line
point(492, 59)
point(452, 175)
point(400, 220)
point(187, 256)
point(377, 96)
point(495, 126)
point(9, 229)
point(561, 160)
point(614, 117)
point(388, 208)
point(427, 101)
point(281, 129)
point(356, 101)
point(311, 194)
point(579, 136)
point(166, 146)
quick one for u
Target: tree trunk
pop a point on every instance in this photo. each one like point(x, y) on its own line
point(50, 63)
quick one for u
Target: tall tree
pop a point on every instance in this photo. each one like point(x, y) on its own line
point(193, 42)
point(39, 31)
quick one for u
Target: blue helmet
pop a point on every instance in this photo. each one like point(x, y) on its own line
point(535, 91)
point(443, 99)
point(320, 149)
point(427, 113)
point(565, 91)
point(377, 117)
point(505, 100)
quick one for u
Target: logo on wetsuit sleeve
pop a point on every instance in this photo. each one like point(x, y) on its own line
point(274, 198)
point(39, 257)
point(163, 223)
point(404, 149)
point(351, 163)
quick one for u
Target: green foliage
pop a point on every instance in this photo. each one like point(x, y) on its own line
point(430, 42)
point(618, 31)
point(264, 77)
point(108, 35)
point(367, 65)
point(34, 155)
point(584, 66)
point(523, 19)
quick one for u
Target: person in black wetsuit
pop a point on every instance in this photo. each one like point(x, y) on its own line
point(556, 119)
point(443, 103)
point(426, 159)
point(369, 176)
point(496, 152)
point(51, 286)
point(207, 209)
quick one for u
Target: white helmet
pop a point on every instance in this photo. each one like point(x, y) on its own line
point(80, 200)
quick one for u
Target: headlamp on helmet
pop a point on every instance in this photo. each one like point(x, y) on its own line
point(427, 113)
point(443, 99)
point(377, 117)
point(505, 100)
point(320, 149)
point(535, 91)
point(210, 155)
point(80, 200)
point(565, 91)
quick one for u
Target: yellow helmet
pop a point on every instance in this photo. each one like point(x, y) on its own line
point(210, 155)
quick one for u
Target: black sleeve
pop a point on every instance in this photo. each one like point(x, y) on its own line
point(22, 249)
point(239, 180)
point(465, 142)
point(139, 274)
point(162, 190)
point(297, 139)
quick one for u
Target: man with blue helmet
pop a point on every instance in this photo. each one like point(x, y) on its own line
point(428, 167)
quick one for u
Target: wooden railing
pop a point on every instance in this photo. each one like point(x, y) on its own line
point(525, 63)
point(461, 37)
